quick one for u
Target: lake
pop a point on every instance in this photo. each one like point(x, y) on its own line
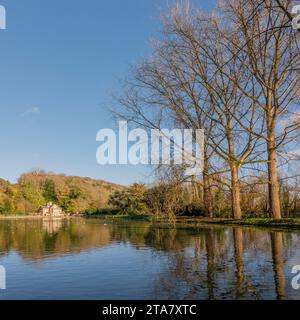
point(99, 259)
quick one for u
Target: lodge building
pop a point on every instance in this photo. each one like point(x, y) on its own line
point(51, 210)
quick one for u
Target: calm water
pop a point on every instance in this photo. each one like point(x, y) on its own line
point(94, 259)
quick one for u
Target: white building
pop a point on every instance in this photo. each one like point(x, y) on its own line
point(51, 210)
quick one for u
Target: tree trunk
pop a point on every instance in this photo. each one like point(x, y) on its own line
point(278, 264)
point(235, 192)
point(195, 189)
point(273, 186)
point(239, 260)
point(235, 183)
point(207, 194)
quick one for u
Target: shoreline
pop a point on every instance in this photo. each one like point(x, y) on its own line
point(33, 217)
point(285, 223)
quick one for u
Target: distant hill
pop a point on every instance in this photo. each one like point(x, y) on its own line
point(73, 194)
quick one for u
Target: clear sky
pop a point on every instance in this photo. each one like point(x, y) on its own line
point(59, 62)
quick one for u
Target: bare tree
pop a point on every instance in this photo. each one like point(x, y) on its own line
point(224, 81)
point(233, 73)
point(163, 91)
point(272, 56)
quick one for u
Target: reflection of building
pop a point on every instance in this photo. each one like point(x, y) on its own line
point(51, 210)
point(52, 226)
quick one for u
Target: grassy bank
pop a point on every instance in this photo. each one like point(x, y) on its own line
point(286, 223)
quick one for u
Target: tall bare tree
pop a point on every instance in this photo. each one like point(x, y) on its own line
point(271, 52)
point(233, 73)
point(224, 80)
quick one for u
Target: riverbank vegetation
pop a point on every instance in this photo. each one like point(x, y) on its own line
point(172, 201)
point(36, 188)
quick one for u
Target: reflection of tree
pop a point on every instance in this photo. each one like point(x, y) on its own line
point(190, 268)
point(203, 268)
point(129, 232)
point(210, 263)
point(166, 239)
point(278, 264)
point(37, 239)
point(239, 258)
point(243, 285)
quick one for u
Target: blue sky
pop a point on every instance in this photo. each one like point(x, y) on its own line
point(59, 62)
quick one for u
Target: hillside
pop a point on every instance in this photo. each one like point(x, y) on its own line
point(73, 194)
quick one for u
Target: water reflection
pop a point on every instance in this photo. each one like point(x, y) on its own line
point(209, 245)
point(239, 261)
point(205, 263)
point(52, 226)
point(278, 264)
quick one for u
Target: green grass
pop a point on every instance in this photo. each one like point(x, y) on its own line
point(272, 220)
point(286, 223)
